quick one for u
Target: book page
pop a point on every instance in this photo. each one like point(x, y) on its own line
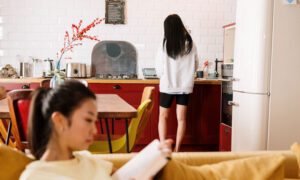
point(144, 165)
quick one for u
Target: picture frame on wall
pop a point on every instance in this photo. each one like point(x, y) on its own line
point(114, 12)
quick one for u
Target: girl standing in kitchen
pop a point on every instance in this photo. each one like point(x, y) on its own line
point(176, 62)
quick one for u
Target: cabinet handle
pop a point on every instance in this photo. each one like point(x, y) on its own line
point(234, 79)
point(231, 103)
point(25, 87)
point(117, 87)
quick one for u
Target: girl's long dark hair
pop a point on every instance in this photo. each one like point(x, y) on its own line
point(64, 99)
point(176, 37)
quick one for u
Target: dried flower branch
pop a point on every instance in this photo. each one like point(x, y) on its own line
point(77, 35)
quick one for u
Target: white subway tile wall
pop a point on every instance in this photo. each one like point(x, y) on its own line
point(36, 27)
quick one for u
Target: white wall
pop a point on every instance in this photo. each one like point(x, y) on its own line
point(36, 27)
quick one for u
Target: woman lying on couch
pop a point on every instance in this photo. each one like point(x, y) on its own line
point(61, 126)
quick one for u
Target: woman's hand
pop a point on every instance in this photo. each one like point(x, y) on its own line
point(166, 146)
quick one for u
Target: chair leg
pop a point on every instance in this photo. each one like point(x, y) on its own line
point(101, 126)
point(108, 135)
point(8, 133)
point(112, 126)
point(127, 137)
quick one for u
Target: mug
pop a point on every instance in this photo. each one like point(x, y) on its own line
point(199, 74)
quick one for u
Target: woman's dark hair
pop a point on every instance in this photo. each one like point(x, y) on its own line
point(64, 99)
point(176, 37)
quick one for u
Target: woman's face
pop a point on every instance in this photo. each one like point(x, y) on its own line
point(79, 135)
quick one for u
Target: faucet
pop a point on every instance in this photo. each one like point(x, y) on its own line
point(216, 66)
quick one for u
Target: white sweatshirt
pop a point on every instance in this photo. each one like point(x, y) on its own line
point(176, 76)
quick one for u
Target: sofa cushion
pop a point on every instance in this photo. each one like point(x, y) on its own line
point(259, 167)
point(296, 150)
point(12, 162)
point(202, 158)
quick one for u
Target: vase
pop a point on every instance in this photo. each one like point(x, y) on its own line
point(58, 77)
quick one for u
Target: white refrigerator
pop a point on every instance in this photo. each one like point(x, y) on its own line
point(266, 86)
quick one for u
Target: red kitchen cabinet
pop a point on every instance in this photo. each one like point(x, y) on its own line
point(12, 86)
point(225, 137)
point(203, 116)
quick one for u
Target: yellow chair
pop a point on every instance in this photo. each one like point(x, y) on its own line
point(148, 93)
point(119, 145)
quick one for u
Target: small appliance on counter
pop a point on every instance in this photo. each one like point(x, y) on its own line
point(49, 68)
point(26, 69)
point(114, 60)
point(227, 71)
point(76, 70)
point(149, 73)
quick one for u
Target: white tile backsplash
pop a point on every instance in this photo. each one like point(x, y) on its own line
point(36, 27)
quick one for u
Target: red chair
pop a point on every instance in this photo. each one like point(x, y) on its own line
point(19, 103)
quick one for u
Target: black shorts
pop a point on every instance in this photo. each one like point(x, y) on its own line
point(167, 99)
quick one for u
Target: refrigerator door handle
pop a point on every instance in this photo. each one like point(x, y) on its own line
point(231, 103)
point(234, 79)
point(267, 93)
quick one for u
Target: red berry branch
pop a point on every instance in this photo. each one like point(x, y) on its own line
point(78, 34)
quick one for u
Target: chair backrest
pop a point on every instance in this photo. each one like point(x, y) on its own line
point(83, 82)
point(133, 126)
point(119, 145)
point(18, 103)
point(46, 82)
point(2, 92)
point(4, 122)
point(148, 94)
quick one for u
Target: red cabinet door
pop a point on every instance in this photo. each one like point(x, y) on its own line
point(193, 126)
point(225, 137)
point(211, 114)
point(203, 117)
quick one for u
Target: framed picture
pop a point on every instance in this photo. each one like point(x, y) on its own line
point(114, 12)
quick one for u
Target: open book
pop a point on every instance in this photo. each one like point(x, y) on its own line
point(144, 165)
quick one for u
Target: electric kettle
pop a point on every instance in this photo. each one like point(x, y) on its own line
point(49, 68)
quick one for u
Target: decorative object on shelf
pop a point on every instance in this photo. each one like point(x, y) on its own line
point(114, 12)
point(205, 69)
point(58, 76)
point(70, 42)
point(8, 72)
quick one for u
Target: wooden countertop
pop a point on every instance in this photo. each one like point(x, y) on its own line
point(120, 81)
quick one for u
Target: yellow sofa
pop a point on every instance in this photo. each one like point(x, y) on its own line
point(12, 162)
point(204, 158)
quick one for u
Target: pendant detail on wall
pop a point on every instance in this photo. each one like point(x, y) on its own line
point(114, 12)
